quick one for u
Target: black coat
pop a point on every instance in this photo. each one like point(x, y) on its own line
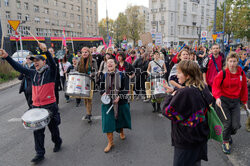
point(28, 81)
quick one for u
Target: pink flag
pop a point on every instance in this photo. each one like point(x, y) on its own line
point(64, 38)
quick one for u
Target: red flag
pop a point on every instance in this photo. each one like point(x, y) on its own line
point(64, 38)
point(110, 42)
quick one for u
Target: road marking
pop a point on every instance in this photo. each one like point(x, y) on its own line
point(94, 118)
point(15, 120)
point(233, 160)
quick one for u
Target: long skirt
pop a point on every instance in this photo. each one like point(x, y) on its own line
point(110, 124)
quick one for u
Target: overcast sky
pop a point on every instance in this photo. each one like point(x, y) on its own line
point(117, 6)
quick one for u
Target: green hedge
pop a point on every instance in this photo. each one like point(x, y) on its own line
point(7, 72)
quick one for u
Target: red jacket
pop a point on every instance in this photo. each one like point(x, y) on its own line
point(234, 86)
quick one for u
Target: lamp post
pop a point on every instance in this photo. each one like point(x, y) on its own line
point(215, 11)
point(199, 34)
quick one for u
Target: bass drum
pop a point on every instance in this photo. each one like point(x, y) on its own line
point(35, 119)
point(157, 87)
point(79, 85)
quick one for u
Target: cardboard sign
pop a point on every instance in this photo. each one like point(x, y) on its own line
point(146, 38)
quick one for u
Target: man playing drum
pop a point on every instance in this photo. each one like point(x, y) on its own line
point(43, 96)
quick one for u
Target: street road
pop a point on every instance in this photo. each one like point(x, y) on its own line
point(147, 144)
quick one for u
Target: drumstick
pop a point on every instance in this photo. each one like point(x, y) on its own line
point(33, 36)
point(2, 41)
point(223, 112)
point(110, 109)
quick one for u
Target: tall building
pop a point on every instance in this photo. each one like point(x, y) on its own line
point(144, 11)
point(179, 20)
point(49, 17)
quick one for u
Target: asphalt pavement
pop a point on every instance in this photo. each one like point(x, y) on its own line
point(147, 144)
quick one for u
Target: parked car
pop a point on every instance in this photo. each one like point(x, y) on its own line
point(21, 57)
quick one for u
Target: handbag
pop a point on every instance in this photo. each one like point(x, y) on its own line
point(215, 125)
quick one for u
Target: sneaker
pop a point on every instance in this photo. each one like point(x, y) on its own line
point(57, 147)
point(37, 159)
point(230, 141)
point(226, 148)
point(89, 119)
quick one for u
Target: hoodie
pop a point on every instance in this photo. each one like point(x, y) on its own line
point(234, 86)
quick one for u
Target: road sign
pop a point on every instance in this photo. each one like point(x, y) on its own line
point(217, 40)
point(203, 40)
point(139, 43)
point(219, 32)
point(158, 39)
point(214, 36)
point(204, 34)
point(14, 24)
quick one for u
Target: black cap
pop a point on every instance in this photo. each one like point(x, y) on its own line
point(38, 57)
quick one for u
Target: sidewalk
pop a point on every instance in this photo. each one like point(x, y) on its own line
point(9, 84)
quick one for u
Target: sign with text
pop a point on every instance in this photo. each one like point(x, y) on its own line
point(203, 34)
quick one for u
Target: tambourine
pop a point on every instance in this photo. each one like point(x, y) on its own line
point(105, 99)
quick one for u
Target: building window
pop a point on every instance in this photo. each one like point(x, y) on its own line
point(202, 11)
point(36, 9)
point(37, 20)
point(162, 17)
point(90, 11)
point(26, 6)
point(194, 7)
point(207, 22)
point(45, 1)
point(18, 4)
point(27, 17)
point(71, 7)
point(46, 20)
point(172, 17)
point(172, 30)
point(187, 30)
point(64, 14)
point(19, 16)
point(183, 31)
point(78, 26)
point(46, 10)
point(207, 12)
point(7, 15)
point(87, 10)
point(72, 16)
point(185, 7)
point(56, 13)
point(64, 5)
point(78, 17)
point(9, 29)
point(78, 8)
point(6, 2)
point(55, 2)
point(184, 18)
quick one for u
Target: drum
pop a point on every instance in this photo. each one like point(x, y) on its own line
point(79, 85)
point(35, 119)
point(157, 87)
point(105, 99)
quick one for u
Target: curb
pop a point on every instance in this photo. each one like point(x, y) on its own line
point(9, 84)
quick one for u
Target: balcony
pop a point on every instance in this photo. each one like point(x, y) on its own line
point(162, 22)
point(154, 10)
point(162, 9)
point(154, 22)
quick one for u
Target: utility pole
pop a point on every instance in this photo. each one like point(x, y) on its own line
point(107, 20)
point(224, 22)
point(215, 11)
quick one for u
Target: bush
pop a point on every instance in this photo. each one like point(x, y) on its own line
point(7, 72)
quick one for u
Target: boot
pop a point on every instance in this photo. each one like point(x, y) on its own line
point(122, 135)
point(110, 143)
point(154, 106)
point(158, 107)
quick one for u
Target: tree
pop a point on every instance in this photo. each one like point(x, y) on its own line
point(237, 18)
point(121, 29)
point(135, 23)
point(103, 28)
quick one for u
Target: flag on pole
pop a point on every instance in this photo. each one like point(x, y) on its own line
point(64, 38)
point(110, 41)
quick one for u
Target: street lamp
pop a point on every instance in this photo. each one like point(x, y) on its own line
point(199, 34)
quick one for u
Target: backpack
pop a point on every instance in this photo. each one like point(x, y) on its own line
point(224, 76)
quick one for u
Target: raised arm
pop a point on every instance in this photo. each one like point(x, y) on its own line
point(18, 67)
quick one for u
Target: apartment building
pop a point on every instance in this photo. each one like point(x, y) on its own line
point(79, 18)
point(180, 21)
point(144, 11)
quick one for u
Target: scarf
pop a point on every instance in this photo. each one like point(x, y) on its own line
point(112, 88)
point(42, 69)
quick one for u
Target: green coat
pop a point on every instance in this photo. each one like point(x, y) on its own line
point(110, 124)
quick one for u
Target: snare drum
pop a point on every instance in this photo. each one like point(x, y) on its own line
point(35, 119)
point(157, 87)
point(79, 85)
